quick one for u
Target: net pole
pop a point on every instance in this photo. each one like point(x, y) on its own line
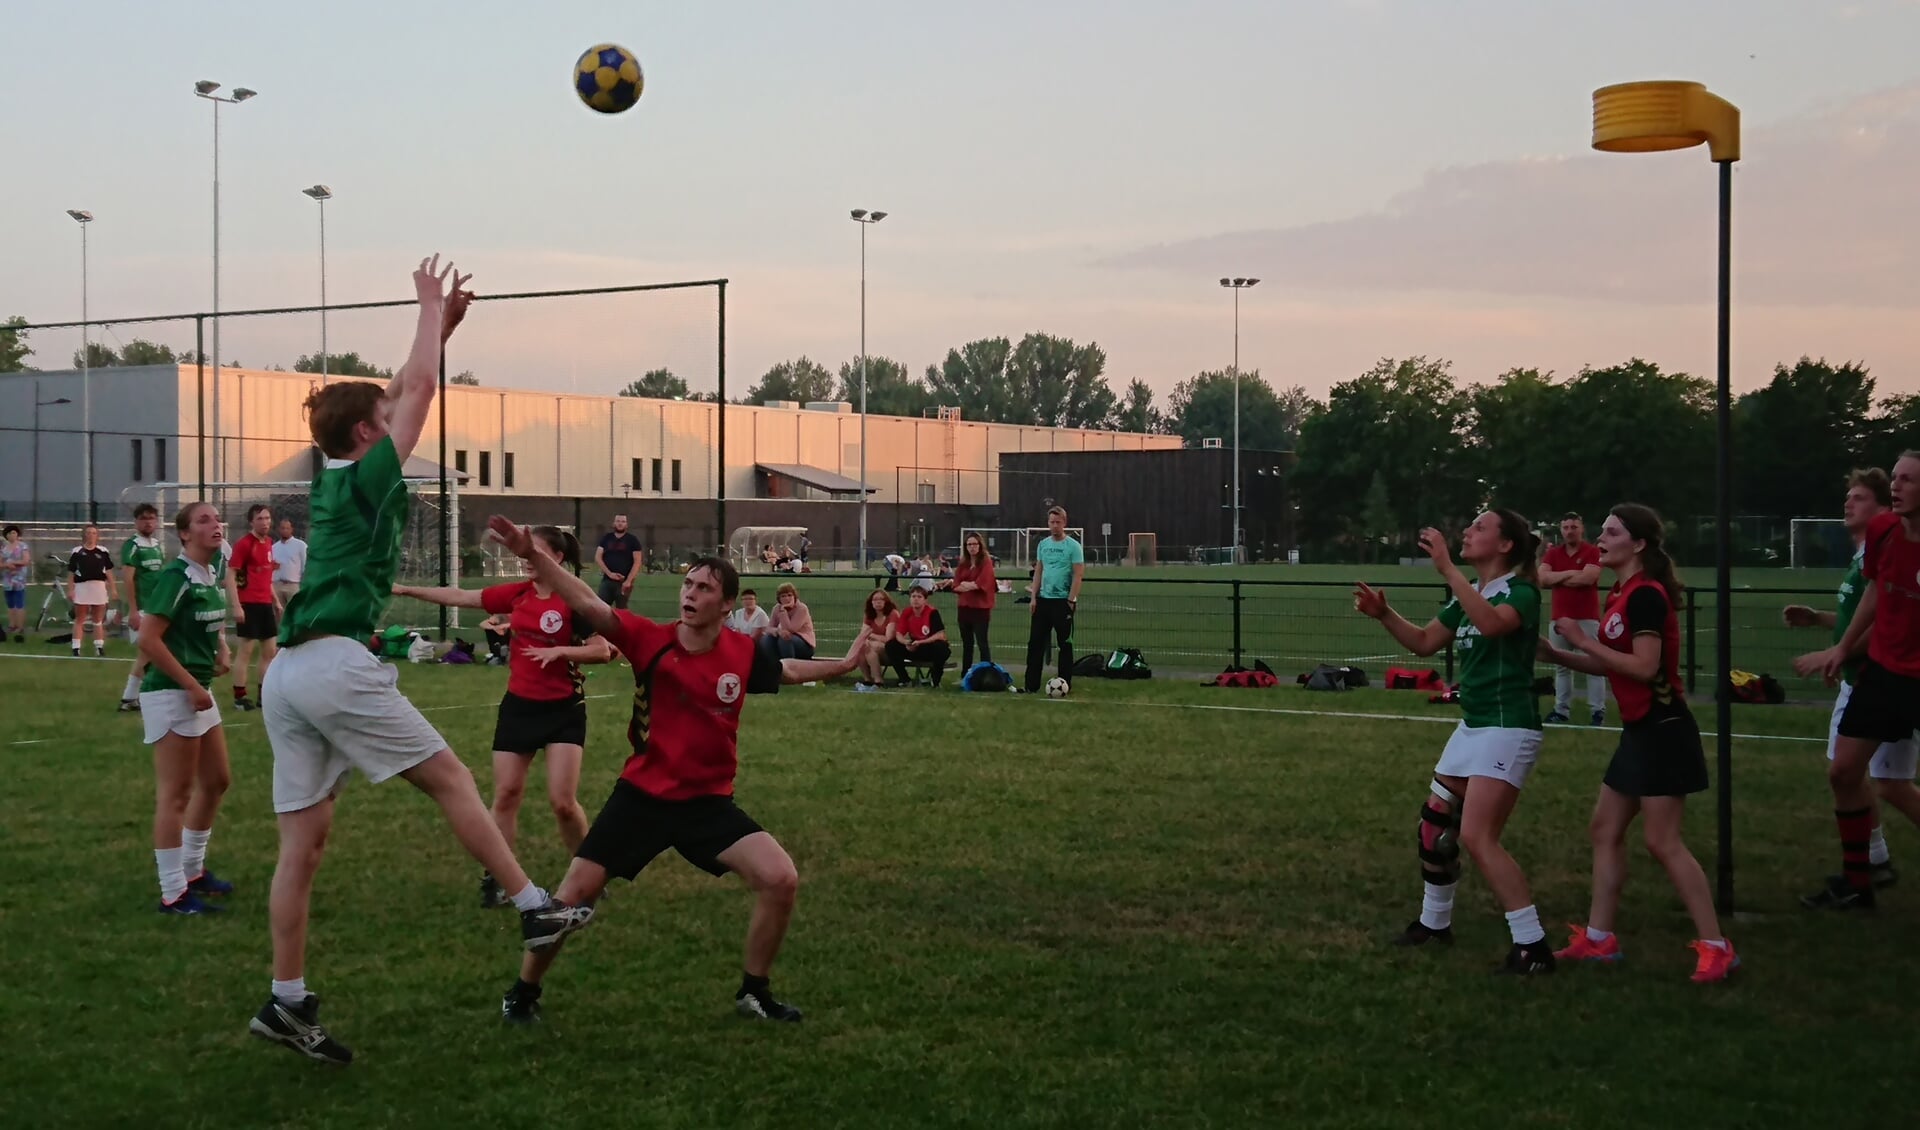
point(200, 392)
point(720, 501)
point(446, 532)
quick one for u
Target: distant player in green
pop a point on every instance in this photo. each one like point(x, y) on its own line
point(183, 640)
point(330, 705)
point(141, 559)
point(1494, 623)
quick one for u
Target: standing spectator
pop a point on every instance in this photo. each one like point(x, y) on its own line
point(1059, 565)
point(973, 587)
point(806, 548)
point(877, 617)
point(16, 564)
point(895, 565)
point(90, 588)
point(289, 563)
point(790, 633)
point(259, 621)
point(619, 557)
point(749, 619)
point(1571, 570)
point(920, 638)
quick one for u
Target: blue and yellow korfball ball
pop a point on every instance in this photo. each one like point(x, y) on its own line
point(607, 78)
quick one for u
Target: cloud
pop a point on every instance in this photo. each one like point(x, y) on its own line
point(1824, 215)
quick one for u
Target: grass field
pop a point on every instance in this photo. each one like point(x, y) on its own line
point(1151, 904)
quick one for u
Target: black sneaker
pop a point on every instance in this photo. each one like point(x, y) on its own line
point(762, 1006)
point(1838, 894)
point(546, 927)
point(492, 895)
point(1527, 961)
point(298, 1027)
point(129, 706)
point(521, 1005)
point(1419, 933)
point(244, 704)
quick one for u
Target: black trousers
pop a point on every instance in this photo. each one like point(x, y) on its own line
point(973, 630)
point(933, 656)
point(1050, 615)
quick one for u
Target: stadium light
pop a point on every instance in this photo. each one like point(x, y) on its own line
point(205, 89)
point(1654, 117)
point(865, 219)
point(321, 194)
point(1236, 285)
point(83, 218)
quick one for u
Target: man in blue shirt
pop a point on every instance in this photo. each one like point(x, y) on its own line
point(619, 558)
point(1058, 567)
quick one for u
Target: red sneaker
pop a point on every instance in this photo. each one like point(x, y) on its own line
point(1582, 948)
point(1716, 963)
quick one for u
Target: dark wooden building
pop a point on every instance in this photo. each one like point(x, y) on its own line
point(1183, 496)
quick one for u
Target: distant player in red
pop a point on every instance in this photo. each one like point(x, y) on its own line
point(1571, 572)
point(676, 791)
point(1885, 704)
point(258, 615)
point(1659, 760)
point(546, 702)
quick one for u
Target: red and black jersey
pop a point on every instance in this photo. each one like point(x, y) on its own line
point(253, 569)
point(537, 621)
point(1640, 607)
point(1892, 564)
point(686, 707)
point(912, 625)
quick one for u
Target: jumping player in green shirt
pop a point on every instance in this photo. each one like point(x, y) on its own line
point(141, 559)
point(1494, 623)
point(330, 705)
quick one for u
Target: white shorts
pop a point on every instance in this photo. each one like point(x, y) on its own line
point(1894, 761)
point(169, 712)
point(1502, 752)
point(332, 707)
point(88, 594)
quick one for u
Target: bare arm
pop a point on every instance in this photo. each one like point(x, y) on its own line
point(1079, 574)
point(1584, 579)
point(595, 650)
point(1491, 620)
point(413, 387)
point(153, 645)
point(445, 596)
point(1801, 616)
point(579, 596)
point(813, 670)
point(233, 597)
point(600, 561)
point(1641, 664)
point(1420, 641)
point(1571, 660)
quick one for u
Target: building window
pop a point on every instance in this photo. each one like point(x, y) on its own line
point(923, 492)
point(506, 470)
point(486, 468)
point(139, 471)
point(676, 476)
point(656, 476)
point(633, 477)
point(160, 460)
point(460, 460)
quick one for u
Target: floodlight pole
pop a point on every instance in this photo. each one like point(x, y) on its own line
point(205, 89)
point(86, 371)
point(1236, 285)
point(321, 194)
point(865, 218)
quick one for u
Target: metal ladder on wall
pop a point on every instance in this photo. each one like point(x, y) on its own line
point(950, 442)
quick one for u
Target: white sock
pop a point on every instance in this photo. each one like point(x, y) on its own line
point(1524, 925)
point(1716, 943)
point(290, 992)
point(1594, 935)
point(99, 647)
point(1877, 847)
point(173, 881)
point(76, 645)
point(132, 690)
point(1436, 905)
point(531, 897)
point(193, 847)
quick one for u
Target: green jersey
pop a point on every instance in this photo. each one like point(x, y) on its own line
point(1850, 586)
point(358, 512)
point(189, 595)
point(145, 557)
point(1496, 674)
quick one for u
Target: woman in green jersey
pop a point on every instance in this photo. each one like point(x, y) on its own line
point(1493, 620)
point(182, 639)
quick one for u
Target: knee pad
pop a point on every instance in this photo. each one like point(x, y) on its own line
point(1440, 836)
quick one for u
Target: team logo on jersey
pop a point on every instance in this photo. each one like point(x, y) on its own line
point(1615, 626)
point(550, 622)
point(728, 688)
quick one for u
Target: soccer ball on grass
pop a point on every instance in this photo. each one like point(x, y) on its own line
point(1057, 687)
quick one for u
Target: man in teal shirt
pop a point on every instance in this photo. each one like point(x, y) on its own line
point(1058, 567)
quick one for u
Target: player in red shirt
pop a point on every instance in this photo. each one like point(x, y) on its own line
point(690, 678)
point(1571, 570)
point(1885, 704)
point(1659, 760)
point(257, 619)
point(545, 706)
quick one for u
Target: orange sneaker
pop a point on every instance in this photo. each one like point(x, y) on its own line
point(1715, 964)
point(1582, 948)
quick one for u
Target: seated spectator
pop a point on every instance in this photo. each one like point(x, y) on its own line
point(789, 633)
point(919, 637)
point(748, 618)
point(498, 636)
point(879, 615)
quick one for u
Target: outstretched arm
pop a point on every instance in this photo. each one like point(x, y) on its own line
point(412, 388)
point(579, 596)
point(447, 596)
point(1425, 641)
point(813, 670)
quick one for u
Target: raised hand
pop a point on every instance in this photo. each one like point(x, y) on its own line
point(456, 305)
point(1543, 651)
point(544, 655)
point(1369, 602)
point(517, 539)
point(429, 280)
point(1811, 664)
point(1571, 631)
point(1799, 616)
point(1435, 543)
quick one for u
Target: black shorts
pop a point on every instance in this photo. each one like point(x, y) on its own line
point(633, 827)
point(1660, 757)
point(1884, 706)
point(261, 623)
point(528, 725)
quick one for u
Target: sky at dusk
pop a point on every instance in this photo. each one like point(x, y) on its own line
point(1405, 176)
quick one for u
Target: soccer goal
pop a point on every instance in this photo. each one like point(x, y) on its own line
point(1143, 549)
point(1818, 543)
point(1013, 545)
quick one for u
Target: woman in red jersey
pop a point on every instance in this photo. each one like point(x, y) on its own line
point(545, 706)
point(1659, 760)
point(974, 586)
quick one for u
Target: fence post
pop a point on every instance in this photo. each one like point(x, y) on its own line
point(1236, 623)
point(1446, 593)
point(1692, 668)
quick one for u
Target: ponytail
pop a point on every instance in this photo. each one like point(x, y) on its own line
point(1524, 558)
point(564, 545)
point(1643, 524)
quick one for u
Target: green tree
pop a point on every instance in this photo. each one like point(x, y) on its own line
point(463, 377)
point(1637, 435)
point(1060, 384)
point(890, 390)
point(1796, 438)
point(973, 378)
point(14, 349)
point(1519, 423)
point(1135, 412)
point(657, 384)
point(1202, 406)
point(1377, 520)
point(140, 351)
point(341, 365)
point(1894, 429)
point(98, 355)
point(802, 379)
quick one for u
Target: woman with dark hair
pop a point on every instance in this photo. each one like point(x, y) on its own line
point(16, 565)
point(973, 588)
point(878, 616)
point(1493, 620)
point(545, 706)
point(1659, 760)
